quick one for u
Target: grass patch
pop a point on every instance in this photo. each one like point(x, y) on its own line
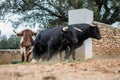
point(106, 56)
point(59, 61)
point(70, 60)
point(23, 63)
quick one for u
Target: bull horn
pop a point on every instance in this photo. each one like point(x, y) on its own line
point(93, 22)
point(65, 28)
point(15, 32)
point(92, 25)
point(78, 29)
point(35, 33)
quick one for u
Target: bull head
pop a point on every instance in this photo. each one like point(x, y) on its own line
point(21, 33)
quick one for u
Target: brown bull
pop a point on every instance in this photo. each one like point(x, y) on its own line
point(26, 43)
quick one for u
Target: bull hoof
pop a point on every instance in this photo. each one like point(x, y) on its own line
point(33, 61)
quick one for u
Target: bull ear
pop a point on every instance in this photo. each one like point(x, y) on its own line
point(20, 34)
point(65, 29)
point(78, 29)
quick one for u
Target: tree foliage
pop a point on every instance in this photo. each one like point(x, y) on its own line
point(3, 42)
point(55, 12)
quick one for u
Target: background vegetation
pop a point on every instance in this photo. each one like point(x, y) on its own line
point(9, 43)
point(55, 12)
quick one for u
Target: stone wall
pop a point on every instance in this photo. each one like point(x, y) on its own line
point(9, 56)
point(110, 42)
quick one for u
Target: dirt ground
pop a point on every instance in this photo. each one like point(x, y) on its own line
point(94, 69)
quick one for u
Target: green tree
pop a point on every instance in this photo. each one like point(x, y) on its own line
point(4, 42)
point(9, 43)
point(55, 12)
point(13, 42)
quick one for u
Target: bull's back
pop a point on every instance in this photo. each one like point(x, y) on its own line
point(47, 34)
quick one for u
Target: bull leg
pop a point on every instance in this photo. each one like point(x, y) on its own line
point(50, 50)
point(24, 53)
point(22, 56)
point(49, 56)
point(31, 49)
point(36, 52)
point(28, 56)
point(67, 53)
point(60, 54)
point(71, 52)
point(28, 51)
point(73, 55)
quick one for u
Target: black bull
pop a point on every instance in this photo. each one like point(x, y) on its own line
point(50, 40)
point(87, 31)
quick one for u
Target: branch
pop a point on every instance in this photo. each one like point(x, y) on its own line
point(50, 12)
point(115, 16)
point(56, 7)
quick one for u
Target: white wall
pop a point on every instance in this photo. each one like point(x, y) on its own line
point(82, 16)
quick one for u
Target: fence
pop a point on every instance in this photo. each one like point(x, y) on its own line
point(9, 55)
